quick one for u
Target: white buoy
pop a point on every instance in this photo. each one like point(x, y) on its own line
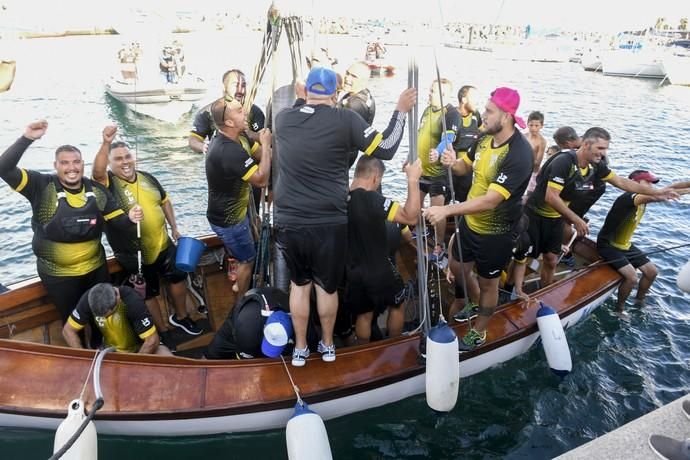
point(554, 341)
point(683, 280)
point(86, 447)
point(306, 436)
point(442, 368)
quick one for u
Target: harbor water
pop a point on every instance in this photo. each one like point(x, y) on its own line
point(622, 367)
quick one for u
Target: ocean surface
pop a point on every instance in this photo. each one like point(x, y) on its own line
point(623, 367)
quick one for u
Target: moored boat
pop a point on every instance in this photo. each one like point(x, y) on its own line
point(156, 98)
point(147, 395)
point(7, 72)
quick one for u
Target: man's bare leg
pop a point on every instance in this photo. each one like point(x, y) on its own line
point(299, 310)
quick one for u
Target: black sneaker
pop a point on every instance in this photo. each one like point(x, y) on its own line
point(468, 312)
point(472, 340)
point(167, 340)
point(669, 448)
point(186, 324)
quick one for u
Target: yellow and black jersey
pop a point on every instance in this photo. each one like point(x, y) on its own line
point(429, 136)
point(125, 329)
point(468, 132)
point(621, 221)
point(148, 193)
point(228, 168)
point(59, 249)
point(505, 169)
point(562, 173)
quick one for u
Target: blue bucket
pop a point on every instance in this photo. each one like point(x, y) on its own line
point(189, 252)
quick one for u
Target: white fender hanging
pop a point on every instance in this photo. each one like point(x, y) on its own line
point(683, 280)
point(554, 341)
point(86, 447)
point(306, 436)
point(442, 368)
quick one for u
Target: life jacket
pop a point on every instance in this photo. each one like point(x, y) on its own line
point(74, 225)
point(467, 135)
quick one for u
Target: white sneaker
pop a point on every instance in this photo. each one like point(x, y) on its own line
point(327, 352)
point(299, 356)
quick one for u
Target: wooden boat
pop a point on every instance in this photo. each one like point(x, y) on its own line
point(147, 395)
point(7, 72)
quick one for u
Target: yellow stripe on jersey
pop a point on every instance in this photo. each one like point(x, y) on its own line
point(23, 182)
point(609, 176)
point(148, 332)
point(466, 159)
point(74, 324)
point(255, 147)
point(249, 173)
point(201, 138)
point(374, 143)
point(555, 185)
point(113, 214)
point(500, 189)
point(392, 211)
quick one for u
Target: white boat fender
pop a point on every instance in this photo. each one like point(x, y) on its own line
point(442, 368)
point(683, 280)
point(554, 341)
point(306, 435)
point(86, 447)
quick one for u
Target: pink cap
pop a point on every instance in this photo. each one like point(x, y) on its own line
point(643, 174)
point(508, 100)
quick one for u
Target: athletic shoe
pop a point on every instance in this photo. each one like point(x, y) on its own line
point(470, 311)
point(472, 340)
point(568, 260)
point(167, 340)
point(299, 356)
point(669, 448)
point(686, 408)
point(186, 324)
point(327, 352)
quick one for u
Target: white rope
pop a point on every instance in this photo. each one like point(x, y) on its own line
point(295, 388)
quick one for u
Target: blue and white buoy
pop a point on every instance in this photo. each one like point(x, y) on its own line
point(306, 436)
point(683, 280)
point(442, 368)
point(86, 446)
point(554, 341)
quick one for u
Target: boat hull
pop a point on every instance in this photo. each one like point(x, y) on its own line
point(149, 395)
point(632, 64)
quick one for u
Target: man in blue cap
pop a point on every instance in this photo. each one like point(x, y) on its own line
point(314, 140)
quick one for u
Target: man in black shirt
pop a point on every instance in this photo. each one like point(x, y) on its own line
point(234, 86)
point(373, 281)
point(229, 171)
point(313, 141)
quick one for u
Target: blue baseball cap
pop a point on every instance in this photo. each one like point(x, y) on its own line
point(277, 334)
point(322, 81)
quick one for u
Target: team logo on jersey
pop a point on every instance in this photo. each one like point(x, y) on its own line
point(100, 320)
point(368, 132)
point(248, 162)
point(307, 109)
point(255, 126)
point(130, 196)
point(454, 127)
point(387, 204)
point(501, 178)
point(146, 322)
point(558, 180)
point(75, 313)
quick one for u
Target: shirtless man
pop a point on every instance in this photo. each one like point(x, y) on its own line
point(535, 123)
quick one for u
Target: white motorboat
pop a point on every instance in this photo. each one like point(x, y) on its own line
point(677, 63)
point(642, 63)
point(155, 97)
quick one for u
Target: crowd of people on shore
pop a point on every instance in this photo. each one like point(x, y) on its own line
point(338, 238)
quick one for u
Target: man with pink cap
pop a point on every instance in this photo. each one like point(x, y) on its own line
point(613, 242)
point(501, 162)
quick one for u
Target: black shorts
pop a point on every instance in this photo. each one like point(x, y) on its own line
point(163, 266)
point(461, 187)
point(65, 291)
point(315, 254)
point(545, 235)
point(490, 253)
point(434, 186)
point(373, 290)
point(619, 258)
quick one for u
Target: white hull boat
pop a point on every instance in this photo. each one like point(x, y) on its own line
point(639, 64)
point(677, 68)
point(157, 99)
